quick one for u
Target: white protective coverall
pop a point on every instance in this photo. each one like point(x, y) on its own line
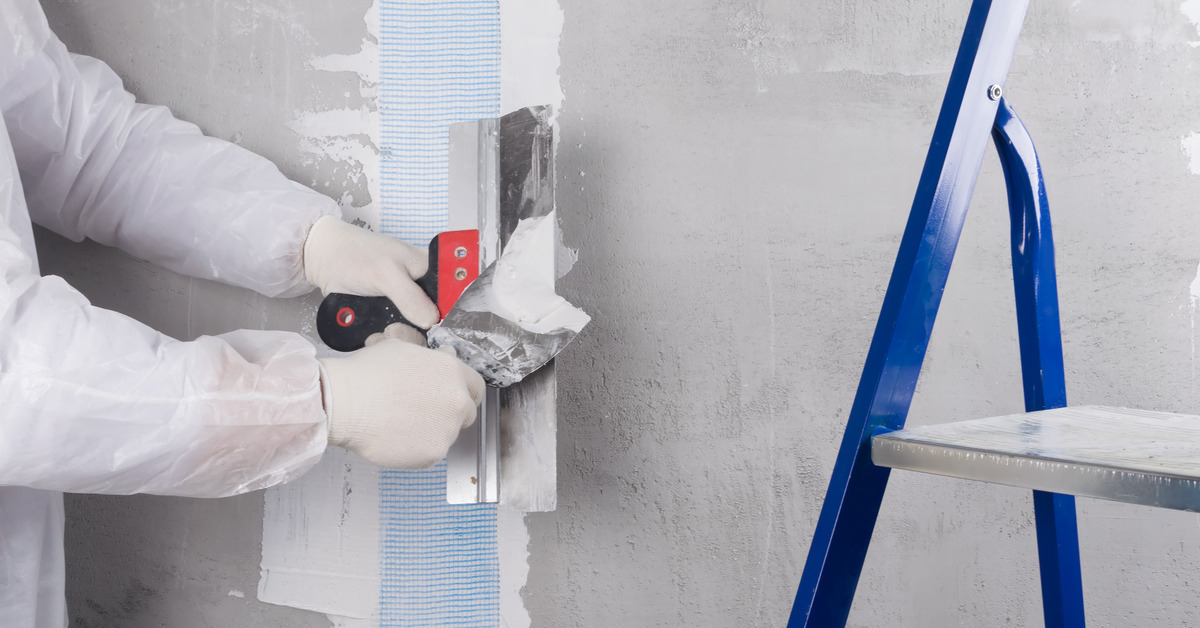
point(92, 400)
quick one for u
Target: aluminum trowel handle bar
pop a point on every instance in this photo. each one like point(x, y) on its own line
point(344, 321)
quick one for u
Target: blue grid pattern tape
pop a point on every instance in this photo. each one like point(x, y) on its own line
point(440, 64)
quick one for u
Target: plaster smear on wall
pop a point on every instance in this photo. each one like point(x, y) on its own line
point(1191, 9)
point(529, 36)
point(1195, 292)
point(321, 541)
point(347, 135)
point(1191, 148)
point(529, 32)
point(321, 533)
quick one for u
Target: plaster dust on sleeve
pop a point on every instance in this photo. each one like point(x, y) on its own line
point(320, 549)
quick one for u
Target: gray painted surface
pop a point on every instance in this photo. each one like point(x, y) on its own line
point(737, 174)
point(238, 71)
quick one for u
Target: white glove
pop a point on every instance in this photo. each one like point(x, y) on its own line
point(339, 257)
point(399, 405)
point(402, 332)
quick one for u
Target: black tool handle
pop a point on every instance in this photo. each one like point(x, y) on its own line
point(344, 321)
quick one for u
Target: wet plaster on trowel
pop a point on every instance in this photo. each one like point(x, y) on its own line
point(524, 290)
point(510, 321)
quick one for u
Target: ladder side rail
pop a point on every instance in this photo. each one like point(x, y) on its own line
point(1042, 371)
point(914, 292)
point(1034, 280)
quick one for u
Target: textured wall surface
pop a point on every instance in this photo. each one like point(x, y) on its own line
point(737, 175)
point(238, 70)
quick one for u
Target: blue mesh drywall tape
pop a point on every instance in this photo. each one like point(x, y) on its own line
point(440, 64)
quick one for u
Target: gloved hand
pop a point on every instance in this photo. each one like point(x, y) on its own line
point(398, 404)
point(399, 331)
point(339, 257)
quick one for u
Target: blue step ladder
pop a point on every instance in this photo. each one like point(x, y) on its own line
point(1150, 458)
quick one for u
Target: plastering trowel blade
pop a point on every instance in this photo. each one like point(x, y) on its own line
point(501, 174)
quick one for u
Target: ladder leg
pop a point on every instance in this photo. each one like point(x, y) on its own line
point(847, 519)
point(1058, 559)
point(1041, 356)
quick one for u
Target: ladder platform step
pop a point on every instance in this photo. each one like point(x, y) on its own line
point(1134, 456)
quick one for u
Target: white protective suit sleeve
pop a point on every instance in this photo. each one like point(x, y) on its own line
point(95, 164)
point(93, 401)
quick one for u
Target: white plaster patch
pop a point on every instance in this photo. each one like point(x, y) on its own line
point(345, 135)
point(1195, 293)
point(529, 60)
point(1195, 289)
point(564, 256)
point(321, 539)
point(236, 593)
point(1191, 148)
point(529, 33)
point(332, 123)
point(1191, 10)
point(364, 63)
point(512, 537)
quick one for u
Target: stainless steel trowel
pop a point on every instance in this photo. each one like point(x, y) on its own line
point(505, 321)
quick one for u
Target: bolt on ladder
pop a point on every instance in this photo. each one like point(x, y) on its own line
point(1150, 458)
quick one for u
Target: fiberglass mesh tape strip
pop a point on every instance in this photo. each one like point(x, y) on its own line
point(440, 563)
point(440, 64)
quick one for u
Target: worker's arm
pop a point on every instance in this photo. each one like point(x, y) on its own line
point(96, 164)
point(94, 401)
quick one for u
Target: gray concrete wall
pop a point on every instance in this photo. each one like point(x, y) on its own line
point(237, 69)
point(737, 175)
